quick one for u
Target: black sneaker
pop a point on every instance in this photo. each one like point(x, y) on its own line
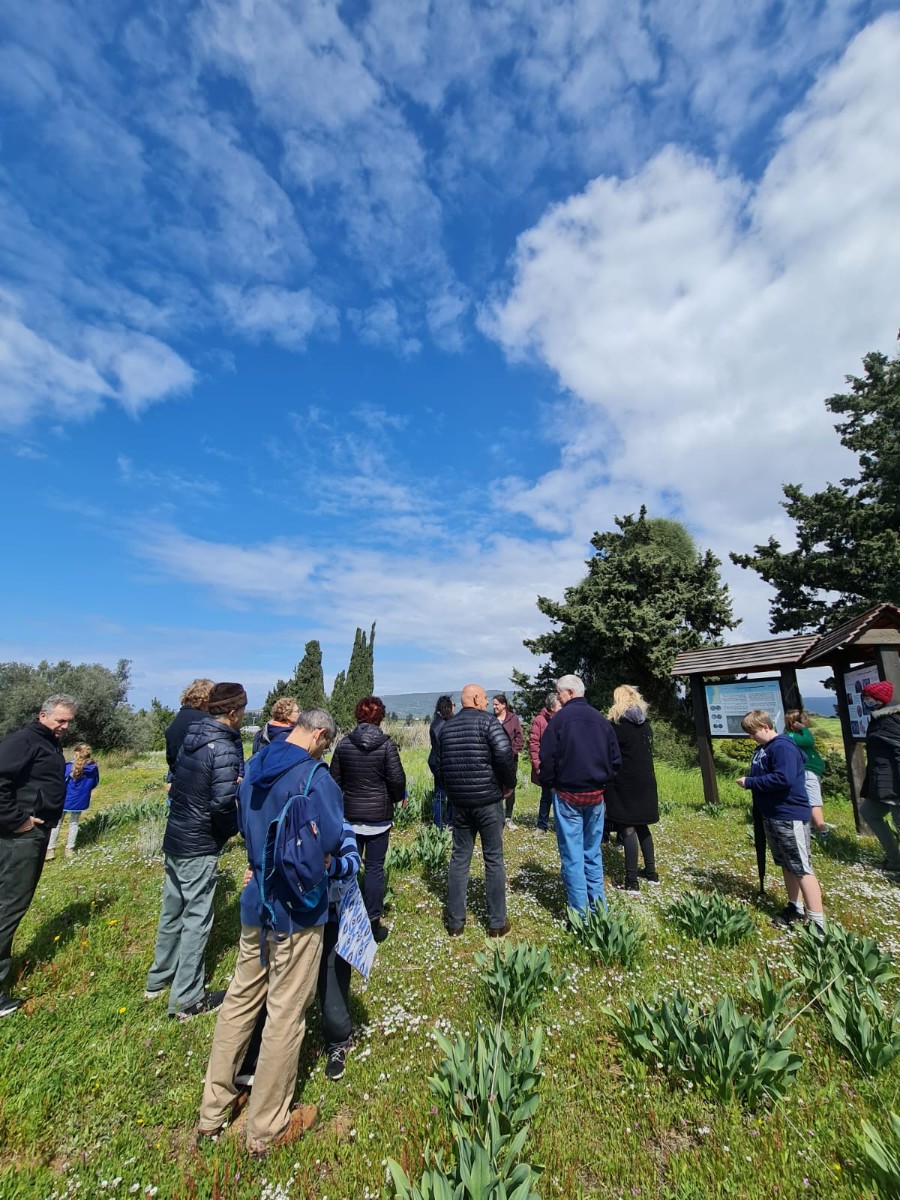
point(8, 1005)
point(649, 876)
point(337, 1058)
point(210, 1002)
point(787, 917)
point(379, 932)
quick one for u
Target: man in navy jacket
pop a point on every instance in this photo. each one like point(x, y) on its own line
point(579, 755)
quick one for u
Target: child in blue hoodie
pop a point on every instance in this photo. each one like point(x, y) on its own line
point(82, 776)
point(778, 784)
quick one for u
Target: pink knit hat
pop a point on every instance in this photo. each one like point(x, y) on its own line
point(883, 692)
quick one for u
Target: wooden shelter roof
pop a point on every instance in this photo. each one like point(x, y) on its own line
point(882, 616)
point(769, 655)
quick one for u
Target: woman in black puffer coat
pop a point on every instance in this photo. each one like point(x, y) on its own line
point(366, 766)
point(632, 802)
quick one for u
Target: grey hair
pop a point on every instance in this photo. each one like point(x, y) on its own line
point(59, 700)
point(552, 700)
point(311, 719)
point(571, 683)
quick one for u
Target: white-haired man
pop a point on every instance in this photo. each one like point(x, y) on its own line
point(579, 755)
point(32, 792)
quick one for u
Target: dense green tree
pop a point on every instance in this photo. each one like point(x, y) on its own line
point(150, 724)
point(847, 556)
point(104, 719)
point(308, 683)
point(648, 595)
point(280, 689)
point(358, 680)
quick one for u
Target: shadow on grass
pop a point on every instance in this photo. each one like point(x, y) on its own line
point(839, 847)
point(64, 926)
point(711, 879)
point(226, 930)
point(534, 879)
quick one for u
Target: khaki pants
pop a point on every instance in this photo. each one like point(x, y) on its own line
point(286, 986)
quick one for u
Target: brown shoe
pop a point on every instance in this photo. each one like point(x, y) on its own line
point(501, 932)
point(302, 1118)
point(455, 932)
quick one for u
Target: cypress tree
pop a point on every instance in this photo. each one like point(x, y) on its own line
point(308, 684)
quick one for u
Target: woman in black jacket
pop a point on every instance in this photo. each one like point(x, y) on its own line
point(440, 809)
point(366, 766)
point(632, 802)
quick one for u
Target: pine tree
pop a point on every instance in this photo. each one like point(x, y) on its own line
point(358, 681)
point(280, 689)
point(847, 556)
point(648, 595)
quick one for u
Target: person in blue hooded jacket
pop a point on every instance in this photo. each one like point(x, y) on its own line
point(278, 956)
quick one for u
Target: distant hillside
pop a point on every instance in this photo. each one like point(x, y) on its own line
point(421, 704)
point(823, 705)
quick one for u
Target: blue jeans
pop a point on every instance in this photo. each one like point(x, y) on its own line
point(441, 811)
point(487, 822)
point(578, 834)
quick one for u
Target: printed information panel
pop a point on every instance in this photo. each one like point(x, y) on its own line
point(854, 682)
point(726, 703)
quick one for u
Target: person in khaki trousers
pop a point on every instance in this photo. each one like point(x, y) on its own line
point(277, 969)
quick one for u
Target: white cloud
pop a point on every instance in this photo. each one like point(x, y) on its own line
point(380, 325)
point(144, 368)
point(286, 317)
point(705, 318)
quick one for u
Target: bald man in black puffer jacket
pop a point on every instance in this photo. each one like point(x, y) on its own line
point(476, 765)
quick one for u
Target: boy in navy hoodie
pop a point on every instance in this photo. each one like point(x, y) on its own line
point(777, 782)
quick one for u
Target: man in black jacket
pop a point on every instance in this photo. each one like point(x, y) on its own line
point(477, 768)
point(202, 817)
point(32, 791)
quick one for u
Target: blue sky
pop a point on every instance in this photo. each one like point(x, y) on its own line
point(318, 314)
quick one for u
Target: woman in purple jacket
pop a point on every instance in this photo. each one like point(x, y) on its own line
point(513, 729)
point(82, 776)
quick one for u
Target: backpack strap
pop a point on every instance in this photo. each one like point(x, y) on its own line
point(267, 903)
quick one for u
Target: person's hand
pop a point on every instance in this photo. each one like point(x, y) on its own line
point(28, 823)
point(742, 781)
point(508, 793)
point(168, 785)
point(327, 861)
point(248, 875)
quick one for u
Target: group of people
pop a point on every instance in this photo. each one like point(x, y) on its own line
point(594, 770)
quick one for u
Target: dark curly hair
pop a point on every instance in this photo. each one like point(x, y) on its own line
point(370, 711)
point(444, 707)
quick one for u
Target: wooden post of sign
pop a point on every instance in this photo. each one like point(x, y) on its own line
point(790, 691)
point(704, 741)
point(854, 755)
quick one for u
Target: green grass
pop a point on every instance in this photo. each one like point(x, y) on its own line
point(98, 1085)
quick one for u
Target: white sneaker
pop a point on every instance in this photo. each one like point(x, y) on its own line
point(510, 825)
point(155, 995)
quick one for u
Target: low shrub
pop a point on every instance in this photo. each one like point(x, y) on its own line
point(433, 848)
point(771, 998)
point(863, 1027)
point(722, 1051)
point(674, 746)
point(515, 978)
point(488, 1076)
point(882, 1156)
point(610, 934)
point(118, 816)
point(841, 959)
point(485, 1167)
point(709, 917)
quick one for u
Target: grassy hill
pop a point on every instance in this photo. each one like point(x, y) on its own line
point(99, 1090)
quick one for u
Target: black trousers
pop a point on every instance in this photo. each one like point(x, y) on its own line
point(334, 999)
point(372, 850)
point(21, 863)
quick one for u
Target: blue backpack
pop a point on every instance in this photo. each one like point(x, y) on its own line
point(293, 861)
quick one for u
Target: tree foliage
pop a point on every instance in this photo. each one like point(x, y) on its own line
point(358, 680)
point(104, 719)
point(150, 724)
point(847, 556)
point(308, 682)
point(649, 594)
